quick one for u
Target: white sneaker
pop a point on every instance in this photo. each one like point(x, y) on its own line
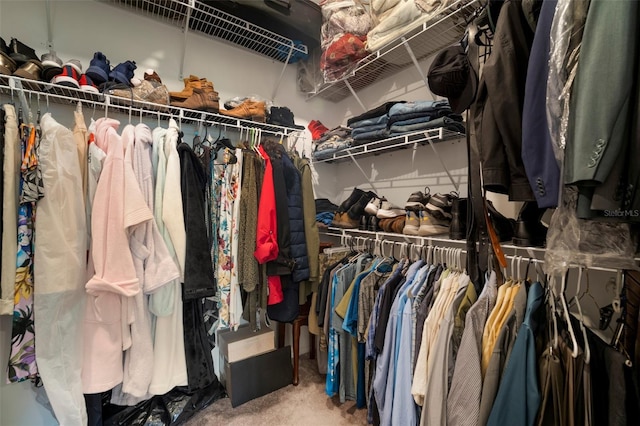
point(430, 225)
point(389, 211)
point(374, 205)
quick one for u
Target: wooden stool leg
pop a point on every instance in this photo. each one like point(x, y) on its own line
point(312, 342)
point(281, 330)
point(296, 350)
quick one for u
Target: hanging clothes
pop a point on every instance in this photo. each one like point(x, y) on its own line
point(59, 292)
point(199, 281)
point(22, 362)
point(118, 206)
point(170, 365)
point(10, 182)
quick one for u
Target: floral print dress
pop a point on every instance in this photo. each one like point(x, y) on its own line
point(22, 360)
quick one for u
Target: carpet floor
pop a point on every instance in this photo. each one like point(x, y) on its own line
point(306, 404)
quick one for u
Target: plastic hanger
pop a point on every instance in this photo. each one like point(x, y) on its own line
point(567, 316)
point(587, 349)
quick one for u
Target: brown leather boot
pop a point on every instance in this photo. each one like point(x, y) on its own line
point(200, 100)
point(248, 110)
point(193, 82)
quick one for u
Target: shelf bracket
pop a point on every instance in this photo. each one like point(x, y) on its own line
point(185, 30)
point(435, 151)
point(354, 94)
point(47, 5)
point(417, 65)
point(362, 170)
point(284, 67)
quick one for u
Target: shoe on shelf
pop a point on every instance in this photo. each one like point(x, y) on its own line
point(190, 83)
point(70, 75)
point(374, 205)
point(374, 225)
point(151, 75)
point(397, 224)
point(388, 210)
point(458, 228)
point(201, 101)
point(99, 68)
point(342, 220)
point(418, 200)
point(51, 65)
point(364, 223)
point(317, 129)
point(350, 201)
point(411, 223)
point(20, 52)
point(87, 84)
point(529, 230)
point(7, 65)
point(386, 224)
point(31, 70)
point(431, 225)
point(439, 205)
point(358, 208)
point(248, 110)
point(502, 225)
point(123, 72)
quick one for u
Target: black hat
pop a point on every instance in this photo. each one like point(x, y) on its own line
point(451, 75)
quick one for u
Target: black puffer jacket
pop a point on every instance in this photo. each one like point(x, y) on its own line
point(298, 242)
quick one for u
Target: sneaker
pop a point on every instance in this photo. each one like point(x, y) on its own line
point(87, 85)
point(439, 205)
point(418, 200)
point(123, 72)
point(99, 68)
point(430, 225)
point(411, 223)
point(51, 65)
point(70, 76)
point(389, 210)
point(374, 205)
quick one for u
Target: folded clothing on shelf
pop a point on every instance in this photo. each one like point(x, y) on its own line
point(341, 55)
point(324, 205)
point(340, 131)
point(445, 122)
point(374, 112)
point(282, 116)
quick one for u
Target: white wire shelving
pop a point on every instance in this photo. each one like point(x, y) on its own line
point(40, 94)
point(394, 143)
point(420, 40)
point(206, 20)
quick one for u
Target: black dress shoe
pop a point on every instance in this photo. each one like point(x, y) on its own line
point(458, 227)
point(374, 225)
point(502, 225)
point(529, 230)
point(364, 223)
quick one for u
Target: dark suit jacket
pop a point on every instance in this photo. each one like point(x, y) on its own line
point(498, 109)
point(537, 149)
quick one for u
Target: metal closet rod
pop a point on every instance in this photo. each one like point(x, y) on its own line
point(193, 116)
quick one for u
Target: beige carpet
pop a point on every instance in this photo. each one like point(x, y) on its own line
point(306, 404)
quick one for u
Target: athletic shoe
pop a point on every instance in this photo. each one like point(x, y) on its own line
point(374, 205)
point(70, 76)
point(99, 68)
point(388, 210)
point(87, 85)
point(411, 223)
point(123, 72)
point(418, 200)
point(430, 225)
point(439, 205)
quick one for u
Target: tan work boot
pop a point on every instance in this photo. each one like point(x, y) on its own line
point(248, 110)
point(193, 82)
point(200, 100)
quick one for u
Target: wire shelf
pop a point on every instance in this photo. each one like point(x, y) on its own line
point(395, 143)
point(422, 38)
point(41, 93)
point(209, 21)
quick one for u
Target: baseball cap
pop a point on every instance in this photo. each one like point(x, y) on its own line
point(452, 76)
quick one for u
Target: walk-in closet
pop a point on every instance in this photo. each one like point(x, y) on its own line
point(323, 212)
